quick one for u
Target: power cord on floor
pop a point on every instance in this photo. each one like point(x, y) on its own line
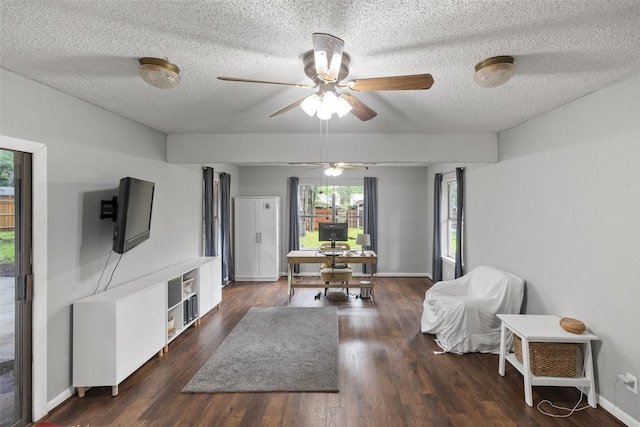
point(569, 410)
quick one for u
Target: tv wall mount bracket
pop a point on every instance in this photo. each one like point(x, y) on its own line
point(109, 209)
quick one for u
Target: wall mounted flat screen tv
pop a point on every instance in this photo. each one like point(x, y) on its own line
point(133, 220)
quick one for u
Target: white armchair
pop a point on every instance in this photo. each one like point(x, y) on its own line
point(462, 312)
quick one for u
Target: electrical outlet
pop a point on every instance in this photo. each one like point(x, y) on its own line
point(633, 387)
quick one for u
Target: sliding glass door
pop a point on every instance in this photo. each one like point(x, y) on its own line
point(16, 288)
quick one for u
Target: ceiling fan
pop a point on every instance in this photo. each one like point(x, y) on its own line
point(334, 169)
point(327, 65)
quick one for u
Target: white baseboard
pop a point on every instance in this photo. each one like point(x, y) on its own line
point(59, 399)
point(617, 412)
point(401, 274)
point(312, 274)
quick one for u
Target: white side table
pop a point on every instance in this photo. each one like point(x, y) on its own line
point(545, 328)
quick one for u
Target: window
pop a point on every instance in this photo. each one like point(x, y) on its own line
point(333, 203)
point(452, 226)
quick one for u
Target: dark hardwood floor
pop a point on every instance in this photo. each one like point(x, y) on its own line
point(389, 375)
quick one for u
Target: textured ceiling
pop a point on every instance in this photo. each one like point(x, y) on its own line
point(89, 49)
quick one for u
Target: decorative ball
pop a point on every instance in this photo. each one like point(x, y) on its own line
point(574, 326)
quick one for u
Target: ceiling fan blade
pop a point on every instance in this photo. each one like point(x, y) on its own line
point(288, 107)
point(330, 165)
point(314, 165)
point(412, 82)
point(348, 166)
point(235, 79)
point(327, 54)
point(358, 109)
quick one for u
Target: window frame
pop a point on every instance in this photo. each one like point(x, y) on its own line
point(452, 218)
point(445, 242)
point(335, 212)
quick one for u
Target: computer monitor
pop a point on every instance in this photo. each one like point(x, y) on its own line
point(333, 232)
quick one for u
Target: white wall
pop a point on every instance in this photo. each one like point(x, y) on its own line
point(89, 150)
point(561, 209)
point(402, 204)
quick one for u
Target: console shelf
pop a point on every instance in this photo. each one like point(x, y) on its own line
point(117, 331)
point(182, 301)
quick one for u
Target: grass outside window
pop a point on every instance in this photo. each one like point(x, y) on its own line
point(7, 247)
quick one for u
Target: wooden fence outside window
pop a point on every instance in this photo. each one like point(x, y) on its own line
point(7, 214)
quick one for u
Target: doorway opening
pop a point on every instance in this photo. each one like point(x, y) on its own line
point(16, 288)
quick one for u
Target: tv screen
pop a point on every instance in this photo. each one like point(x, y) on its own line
point(133, 220)
point(333, 231)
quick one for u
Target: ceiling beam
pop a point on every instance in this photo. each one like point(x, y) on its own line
point(353, 148)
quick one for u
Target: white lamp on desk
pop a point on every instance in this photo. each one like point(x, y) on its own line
point(363, 240)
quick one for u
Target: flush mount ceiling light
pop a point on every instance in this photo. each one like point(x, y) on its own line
point(494, 71)
point(159, 72)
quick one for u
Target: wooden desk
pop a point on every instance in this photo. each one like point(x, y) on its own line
point(315, 257)
point(545, 328)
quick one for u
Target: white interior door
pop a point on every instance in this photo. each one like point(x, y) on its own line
point(268, 215)
point(246, 239)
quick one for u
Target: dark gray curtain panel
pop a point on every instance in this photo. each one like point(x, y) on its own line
point(459, 222)
point(294, 229)
point(436, 273)
point(210, 241)
point(371, 215)
point(228, 274)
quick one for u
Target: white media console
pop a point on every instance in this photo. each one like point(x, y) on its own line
point(117, 331)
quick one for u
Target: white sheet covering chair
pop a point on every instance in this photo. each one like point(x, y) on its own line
point(462, 312)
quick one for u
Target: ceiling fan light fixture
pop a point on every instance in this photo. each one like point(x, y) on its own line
point(323, 113)
point(342, 107)
point(328, 51)
point(494, 71)
point(329, 101)
point(159, 72)
point(334, 66)
point(327, 106)
point(310, 104)
point(332, 171)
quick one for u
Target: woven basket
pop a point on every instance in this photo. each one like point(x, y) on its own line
point(549, 359)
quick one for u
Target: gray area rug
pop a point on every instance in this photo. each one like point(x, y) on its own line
point(275, 349)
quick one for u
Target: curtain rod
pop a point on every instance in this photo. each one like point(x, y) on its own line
point(453, 171)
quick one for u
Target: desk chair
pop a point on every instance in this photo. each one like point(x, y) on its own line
point(331, 271)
